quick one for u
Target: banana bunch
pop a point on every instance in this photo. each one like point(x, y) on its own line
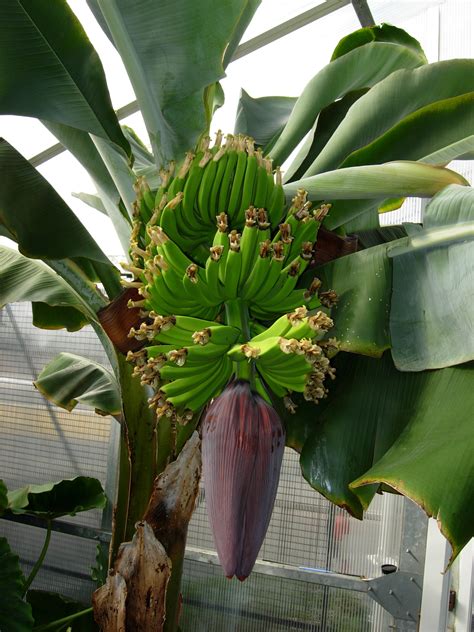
point(185, 361)
point(287, 356)
point(216, 234)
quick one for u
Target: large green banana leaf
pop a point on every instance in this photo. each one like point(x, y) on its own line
point(360, 68)
point(442, 132)
point(62, 498)
point(38, 218)
point(377, 33)
point(389, 102)
point(49, 69)
point(431, 322)
point(377, 181)
point(411, 431)
point(172, 51)
point(15, 614)
point(69, 379)
point(23, 279)
point(361, 315)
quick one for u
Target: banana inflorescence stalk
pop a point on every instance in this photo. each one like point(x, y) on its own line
point(216, 256)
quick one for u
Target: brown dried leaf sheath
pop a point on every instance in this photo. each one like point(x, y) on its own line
point(145, 569)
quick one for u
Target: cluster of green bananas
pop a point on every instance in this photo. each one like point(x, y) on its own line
point(187, 366)
point(215, 234)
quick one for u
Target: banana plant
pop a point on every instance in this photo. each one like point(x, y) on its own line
point(257, 306)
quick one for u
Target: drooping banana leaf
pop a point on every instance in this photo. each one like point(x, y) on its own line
point(380, 425)
point(375, 182)
point(23, 279)
point(156, 42)
point(442, 132)
point(69, 379)
point(62, 498)
point(431, 461)
point(377, 33)
point(49, 75)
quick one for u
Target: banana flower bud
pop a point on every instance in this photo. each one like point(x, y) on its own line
point(242, 449)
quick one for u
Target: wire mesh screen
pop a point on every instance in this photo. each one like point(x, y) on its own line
point(40, 442)
point(212, 603)
point(305, 532)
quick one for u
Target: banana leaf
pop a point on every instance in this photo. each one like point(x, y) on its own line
point(53, 500)
point(413, 179)
point(48, 607)
point(69, 379)
point(15, 614)
point(38, 218)
point(366, 434)
point(263, 118)
point(392, 100)
point(377, 33)
point(433, 284)
point(48, 75)
point(23, 279)
point(156, 42)
point(363, 282)
point(362, 67)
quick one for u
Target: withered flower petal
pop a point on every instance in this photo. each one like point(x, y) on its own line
point(242, 449)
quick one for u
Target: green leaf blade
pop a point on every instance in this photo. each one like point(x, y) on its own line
point(53, 500)
point(69, 379)
point(48, 76)
point(15, 614)
point(431, 461)
point(40, 221)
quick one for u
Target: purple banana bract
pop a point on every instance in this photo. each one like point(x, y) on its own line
point(242, 448)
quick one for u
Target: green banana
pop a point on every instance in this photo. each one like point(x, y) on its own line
point(221, 159)
point(233, 266)
point(273, 272)
point(195, 398)
point(195, 286)
point(248, 184)
point(227, 179)
point(204, 191)
point(248, 241)
point(257, 276)
point(261, 183)
point(279, 328)
point(275, 387)
point(187, 381)
point(212, 273)
point(237, 182)
point(191, 188)
point(275, 204)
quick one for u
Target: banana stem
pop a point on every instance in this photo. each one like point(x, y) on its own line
point(237, 315)
point(39, 561)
